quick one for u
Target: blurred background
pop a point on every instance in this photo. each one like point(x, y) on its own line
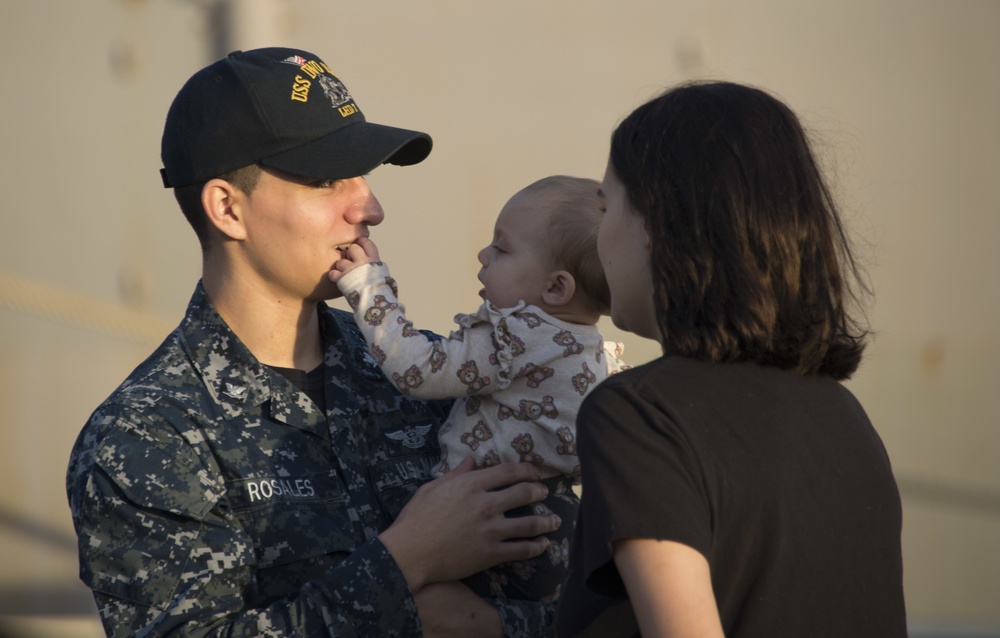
point(97, 264)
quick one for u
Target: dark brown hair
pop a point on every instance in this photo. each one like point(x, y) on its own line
point(750, 261)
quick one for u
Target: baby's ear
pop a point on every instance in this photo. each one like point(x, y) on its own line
point(559, 289)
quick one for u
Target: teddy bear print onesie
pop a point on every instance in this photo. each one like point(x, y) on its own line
point(518, 377)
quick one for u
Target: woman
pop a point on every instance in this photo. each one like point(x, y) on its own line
point(732, 487)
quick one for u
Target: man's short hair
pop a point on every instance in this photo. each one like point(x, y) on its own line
point(189, 197)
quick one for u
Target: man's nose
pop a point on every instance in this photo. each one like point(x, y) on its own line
point(365, 207)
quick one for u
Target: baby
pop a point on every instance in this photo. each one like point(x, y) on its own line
point(519, 366)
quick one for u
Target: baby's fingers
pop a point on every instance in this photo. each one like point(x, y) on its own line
point(357, 253)
point(339, 269)
point(369, 248)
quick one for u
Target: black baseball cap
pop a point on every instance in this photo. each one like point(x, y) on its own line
point(282, 108)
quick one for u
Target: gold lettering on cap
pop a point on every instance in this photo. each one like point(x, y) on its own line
point(300, 89)
point(313, 68)
point(348, 109)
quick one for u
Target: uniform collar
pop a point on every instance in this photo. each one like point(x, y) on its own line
point(238, 382)
point(234, 377)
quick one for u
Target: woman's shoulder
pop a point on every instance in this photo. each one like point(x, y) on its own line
point(682, 386)
point(653, 374)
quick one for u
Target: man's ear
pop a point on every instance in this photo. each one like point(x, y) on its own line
point(223, 206)
point(560, 288)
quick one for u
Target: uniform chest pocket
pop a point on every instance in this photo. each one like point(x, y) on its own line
point(293, 519)
point(397, 478)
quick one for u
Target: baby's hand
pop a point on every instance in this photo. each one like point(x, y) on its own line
point(364, 251)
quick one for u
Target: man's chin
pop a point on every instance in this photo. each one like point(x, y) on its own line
point(326, 291)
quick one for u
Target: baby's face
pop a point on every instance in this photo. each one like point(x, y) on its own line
point(517, 263)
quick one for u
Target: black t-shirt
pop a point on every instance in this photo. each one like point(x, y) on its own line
point(779, 480)
point(312, 383)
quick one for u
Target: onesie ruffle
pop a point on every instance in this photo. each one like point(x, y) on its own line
point(505, 349)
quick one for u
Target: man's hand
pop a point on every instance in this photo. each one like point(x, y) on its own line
point(454, 526)
point(363, 251)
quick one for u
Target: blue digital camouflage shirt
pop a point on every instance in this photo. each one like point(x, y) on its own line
point(211, 497)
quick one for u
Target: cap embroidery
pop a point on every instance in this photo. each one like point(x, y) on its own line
point(333, 89)
point(338, 94)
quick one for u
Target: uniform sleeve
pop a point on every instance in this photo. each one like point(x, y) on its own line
point(524, 618)
point(470, 361)
point(641, 479)
point(164, 554)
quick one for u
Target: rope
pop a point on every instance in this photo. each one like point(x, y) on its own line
point(115, 320)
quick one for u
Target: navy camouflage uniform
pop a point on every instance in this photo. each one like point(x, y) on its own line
point(211, 497)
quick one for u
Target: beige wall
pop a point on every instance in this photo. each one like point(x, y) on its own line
point(904, 95)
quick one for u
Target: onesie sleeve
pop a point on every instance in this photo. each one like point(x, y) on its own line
point(613, 356)
point(640, 478)
point(471, 360)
